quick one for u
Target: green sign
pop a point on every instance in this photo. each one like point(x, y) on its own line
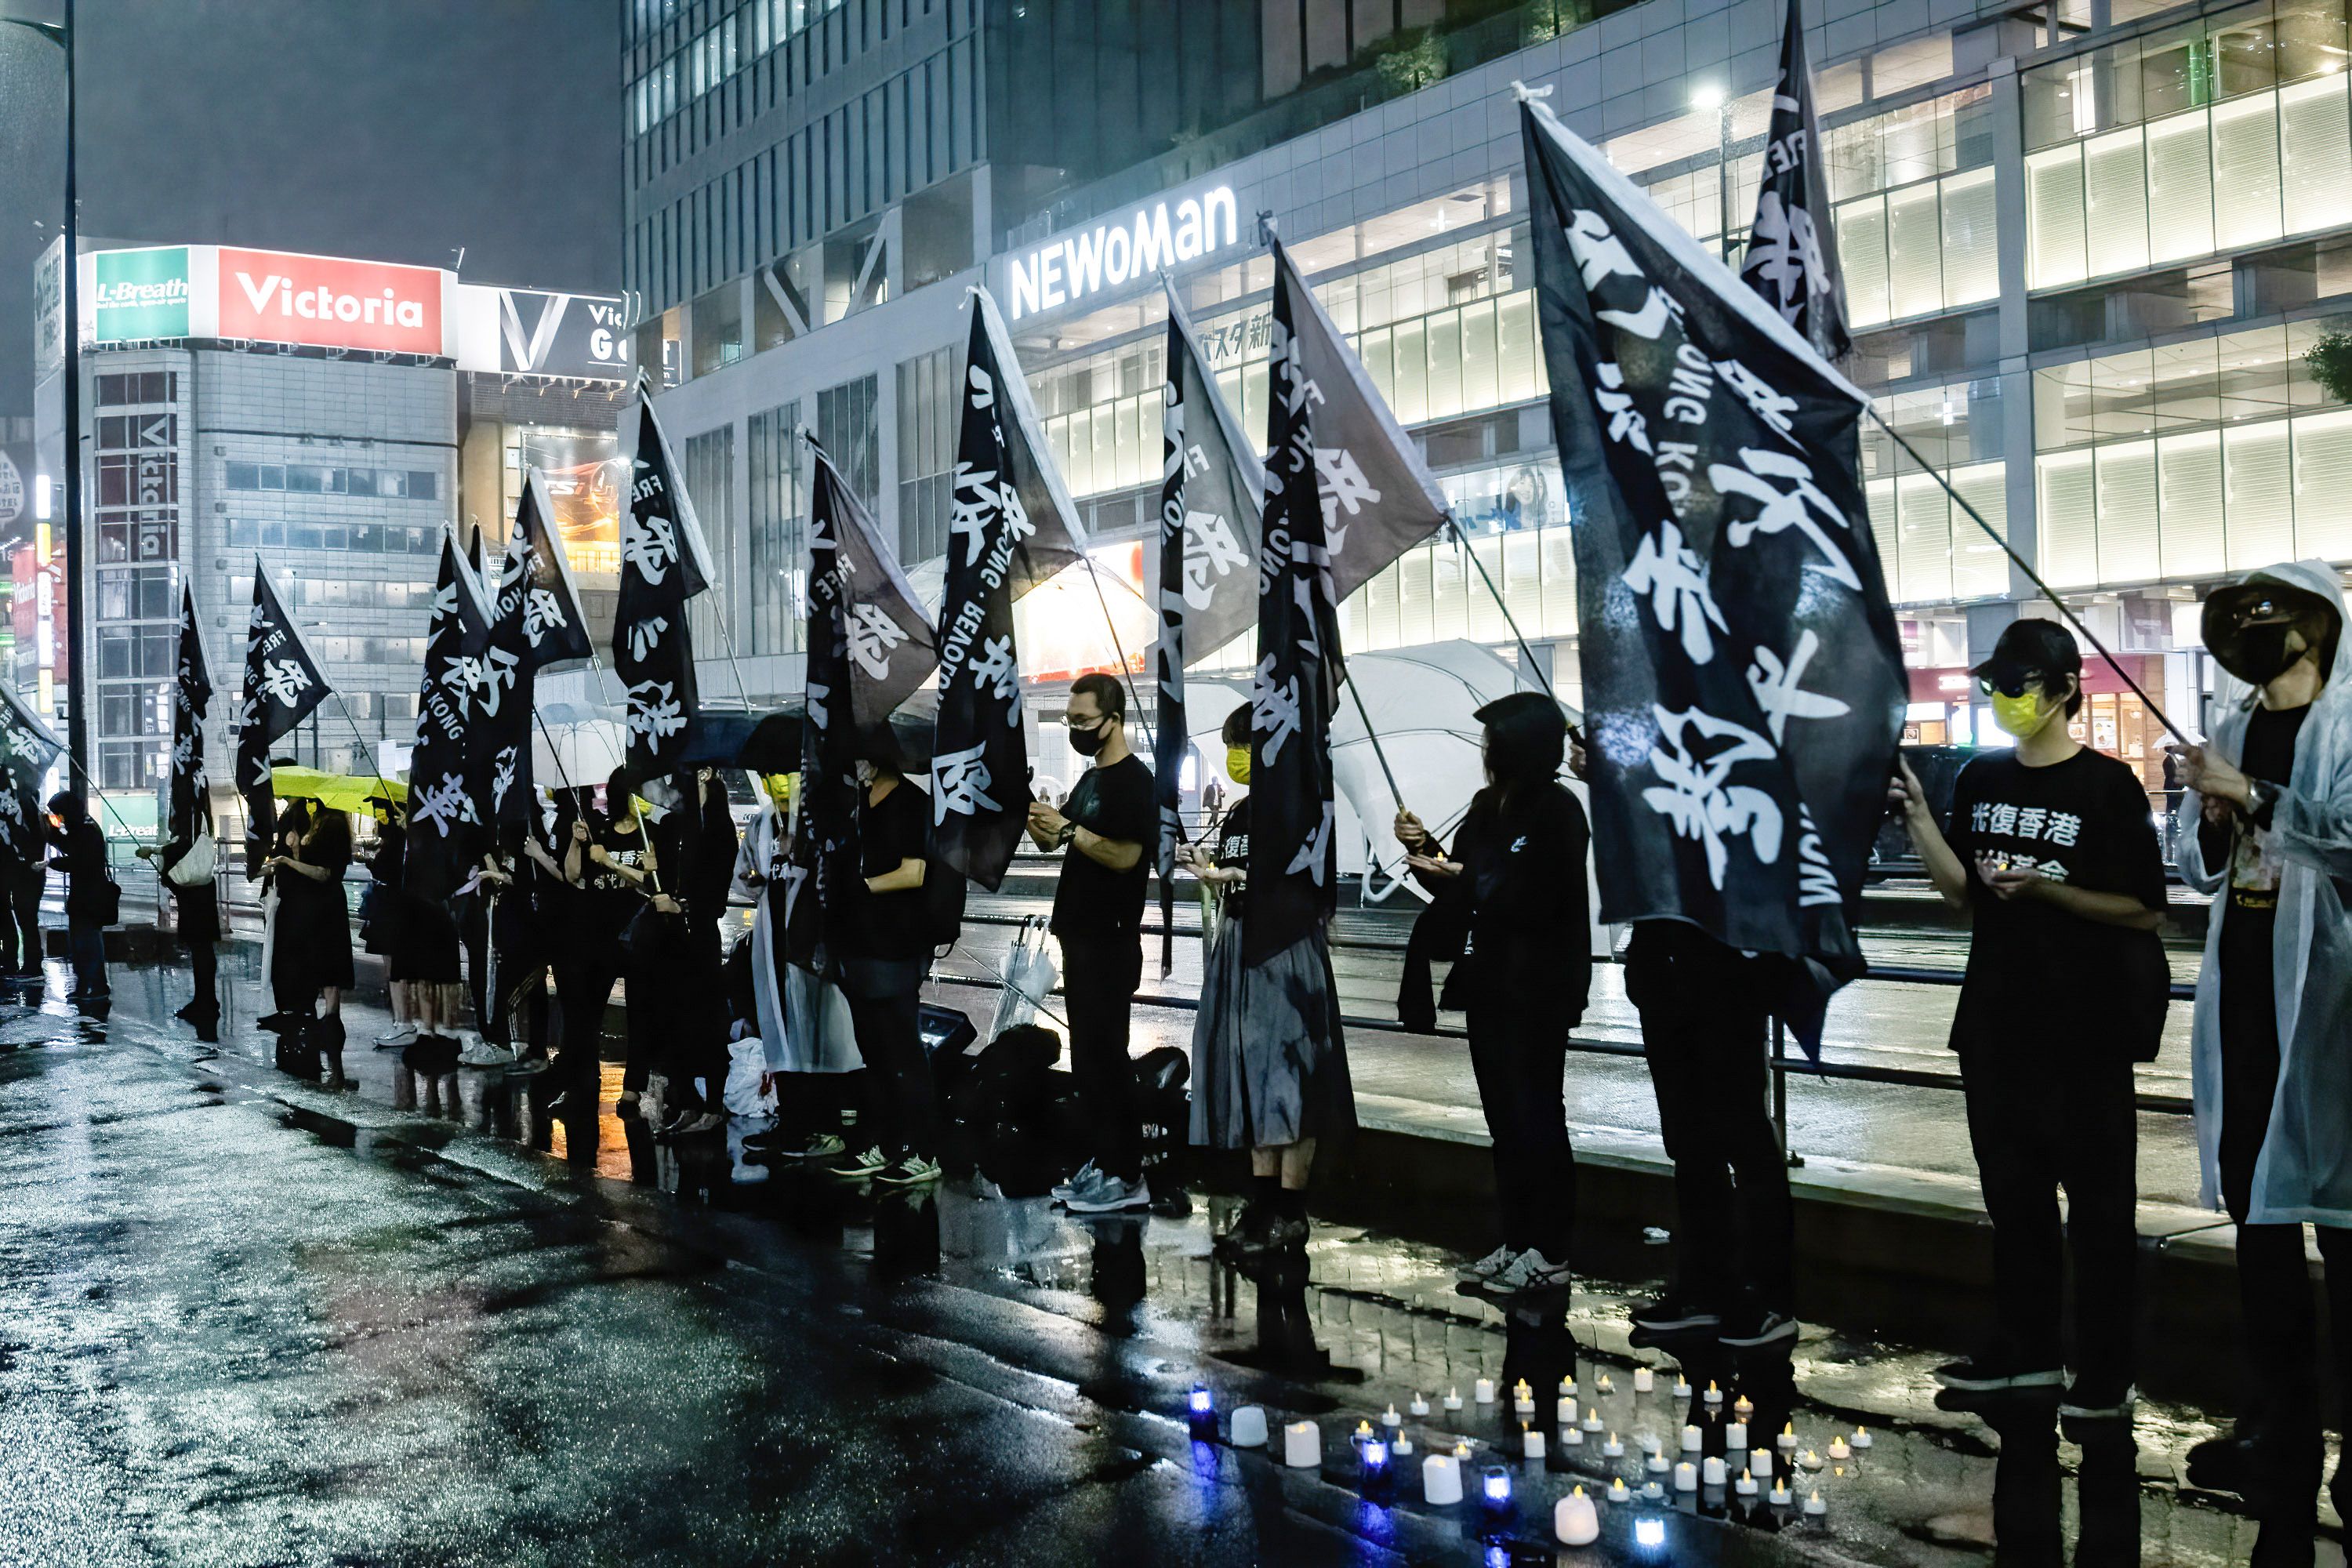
point(142, 294)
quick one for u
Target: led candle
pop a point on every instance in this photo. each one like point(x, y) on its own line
point(1441, 1479)
point(1575, 1521)
point(1453, 1399)
point(1532, 1443)
point(1462, 1453)
point(1568, 1412)
point(1734, 1435)
point(1391, 1419)
point(1811, 1460)
point(1840, 1450)
point(1420, 1405)
point(1302, 1445)
point(1787, 1440)
point(1202, 1403)
point(1712, 1470)
point(1861, 1436)
point(1761, 1461)
point(1656, 1464)
point(1686, 1476)
point(1401, 1447)
point(1523, 1408)
point(1483, 1391)
point(1363, 1431)
point(1591, 1422)
point(1692, 1441)
point(1746, 1485)
point(1682, 1386)
point(1521, 1391)
point(1653, 1492)
point(1374, 1456)
point(1249, 1428)
point(1743, 1407)
point(1619, 1491)
point(1713, 1395)
point(1604, 1385)
point(1613, 1449)
point(1815, 1507)
point(1779, 1498)
point(1567, 1387)
point(1494, 1486)
point(1644, 1380)
point(1571, 1438)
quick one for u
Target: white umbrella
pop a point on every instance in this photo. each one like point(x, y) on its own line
point(581, 743)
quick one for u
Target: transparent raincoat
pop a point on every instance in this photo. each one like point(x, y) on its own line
point(2305, 1169)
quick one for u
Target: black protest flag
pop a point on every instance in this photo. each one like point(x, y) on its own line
point(663, 564)
point(27, 749)
point(1379, 499)
point(1791, 259)
point(442, 820)
point(890, 642)
point(1743, 683)
point(997, 547)
point(1211, 487)
point(498, 732)
point(552, 620)
point(824, 833)
point(185, 812)
point(1293, 860)
point(282, 685)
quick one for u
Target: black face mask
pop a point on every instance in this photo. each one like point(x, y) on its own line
point(1087, 742)
point(2258, 654)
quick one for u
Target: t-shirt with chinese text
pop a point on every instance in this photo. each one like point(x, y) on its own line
point(2255, 867)
point(1230, 849)
point(2085, 823)
point(1113, 801)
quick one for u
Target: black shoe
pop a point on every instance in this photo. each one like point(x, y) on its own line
point(1747, 1325)
point(1996, 1374)
point(1676, 1314)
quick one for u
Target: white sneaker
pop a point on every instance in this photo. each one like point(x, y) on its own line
point(399, 1035)
point(859, 1166)
point(1087, 1175)
point(1530, 1271)
point(820, 1146)
point(1487, 1268)
point(480, 1053)
point(911, 1170)
point(1109, 1194)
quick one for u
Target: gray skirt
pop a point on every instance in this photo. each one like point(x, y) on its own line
point(1269, 1059)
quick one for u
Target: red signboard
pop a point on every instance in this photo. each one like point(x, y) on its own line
point(278, 298)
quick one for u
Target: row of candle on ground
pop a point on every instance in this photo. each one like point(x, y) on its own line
point(1575, 1422)
point(1441, 1472)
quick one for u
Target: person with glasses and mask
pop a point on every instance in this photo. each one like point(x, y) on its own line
point(2051, 849)
point(1099, 919)
point(2267, 829)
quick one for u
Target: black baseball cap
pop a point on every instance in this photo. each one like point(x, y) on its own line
point(2031, 647)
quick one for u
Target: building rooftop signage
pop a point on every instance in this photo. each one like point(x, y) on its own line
point(1073, 266)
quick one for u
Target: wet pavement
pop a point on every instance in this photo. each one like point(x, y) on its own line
point(243, 1320)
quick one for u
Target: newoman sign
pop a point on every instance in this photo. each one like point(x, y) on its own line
point(270, 297)
point(1067, 270)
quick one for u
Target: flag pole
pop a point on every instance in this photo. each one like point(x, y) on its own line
point(1870, 407)
point(1527, 654)
point(1125, 674)
point(1389, 774)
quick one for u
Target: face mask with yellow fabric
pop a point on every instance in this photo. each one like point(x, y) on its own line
point(1237, 763)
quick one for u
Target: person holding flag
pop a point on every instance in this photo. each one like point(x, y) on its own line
point(27, 749)
point(1751, 684)
point(282, 686)
point(92, 901)
point(183, 860)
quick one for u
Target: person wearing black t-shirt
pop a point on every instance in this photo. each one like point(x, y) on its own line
point(614, 869)
point(1098, 918)
point(2265, 830)
point(2052, 850)
point(884, 949)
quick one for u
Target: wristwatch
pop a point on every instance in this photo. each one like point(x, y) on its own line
point(1069, 831)
point(2260, 797)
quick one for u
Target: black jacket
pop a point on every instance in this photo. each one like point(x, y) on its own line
point(81, 856)
point(1518, 908)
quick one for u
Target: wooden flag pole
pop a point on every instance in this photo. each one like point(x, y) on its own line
point(2031, 575)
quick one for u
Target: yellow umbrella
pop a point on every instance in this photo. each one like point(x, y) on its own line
point(336, 792)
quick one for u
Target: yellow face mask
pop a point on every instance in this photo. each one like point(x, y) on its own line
point(779, 787)
point(2022, 716)
point(1237, 763)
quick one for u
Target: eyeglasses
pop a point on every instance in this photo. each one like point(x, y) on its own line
point(2012, 682)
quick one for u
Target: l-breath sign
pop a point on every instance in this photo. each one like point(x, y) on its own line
point(1066, 271)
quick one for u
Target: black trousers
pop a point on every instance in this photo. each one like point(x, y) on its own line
point(1520, 1056)
point(886, 1003)
point(583, 985)
point(2274, 1292)
point(204, 964)
point(1099, 976)
point(20, 917)
point(1704, 1010)
point(2043, 1116)
point(692, 1051)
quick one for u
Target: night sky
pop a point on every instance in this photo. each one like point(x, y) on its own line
point(390, 130)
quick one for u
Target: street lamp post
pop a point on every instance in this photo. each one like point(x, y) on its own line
point(61, 33)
